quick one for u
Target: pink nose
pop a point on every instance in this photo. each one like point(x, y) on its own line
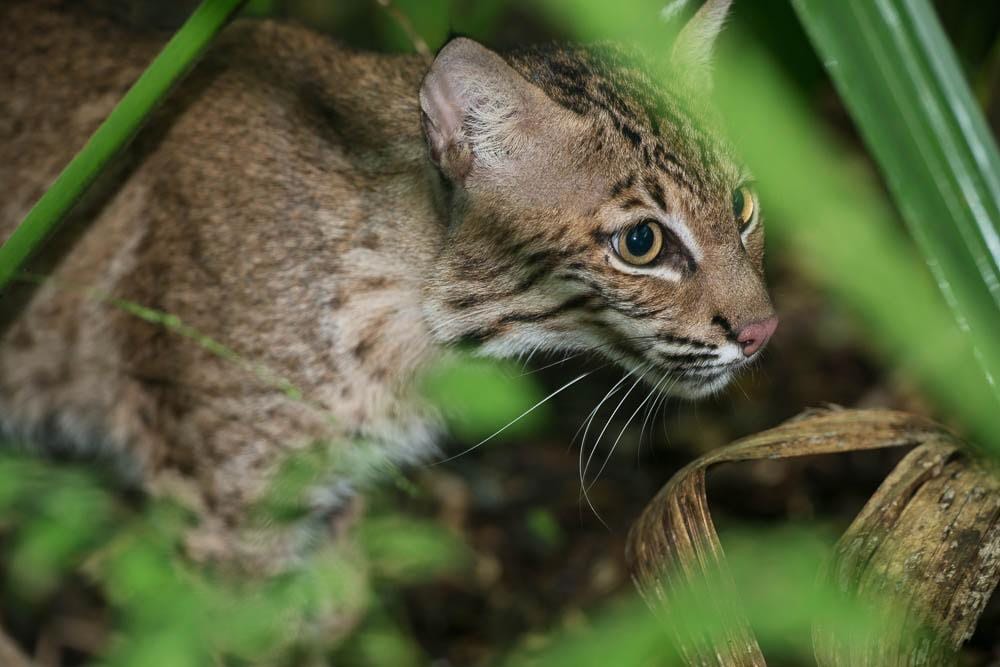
point(755, 335)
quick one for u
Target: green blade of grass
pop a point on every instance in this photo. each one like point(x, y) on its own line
point(126, 118)
point(896, 71)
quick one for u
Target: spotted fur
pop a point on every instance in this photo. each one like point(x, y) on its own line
point(324, 222)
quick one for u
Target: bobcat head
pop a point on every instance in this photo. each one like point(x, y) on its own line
point(592, 210)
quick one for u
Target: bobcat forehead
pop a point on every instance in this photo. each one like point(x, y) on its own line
point(612, 88)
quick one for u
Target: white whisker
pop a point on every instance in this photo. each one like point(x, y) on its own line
point(516, 419)
point(583, 474)
point(611, 417)
point(621, 433)
point(590, 419)
point(650, 414)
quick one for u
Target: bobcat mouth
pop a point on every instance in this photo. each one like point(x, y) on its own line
point(698, 379)
point(699, 382)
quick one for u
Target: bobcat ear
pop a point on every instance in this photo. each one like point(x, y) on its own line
point(692, 53)
point(472, 104)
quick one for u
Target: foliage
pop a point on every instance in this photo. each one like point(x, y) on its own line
point(823, 206)
point(479, 396)
point(897, 73)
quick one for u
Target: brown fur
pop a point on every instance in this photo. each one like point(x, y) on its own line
point(284, 204)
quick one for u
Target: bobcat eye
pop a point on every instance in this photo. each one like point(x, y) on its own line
point(744, 206)
point(640, 244)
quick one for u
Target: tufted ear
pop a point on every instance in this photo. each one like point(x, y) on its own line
point(473, 108)
point(692, 53)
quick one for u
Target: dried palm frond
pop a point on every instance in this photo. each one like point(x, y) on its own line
point(926, 545)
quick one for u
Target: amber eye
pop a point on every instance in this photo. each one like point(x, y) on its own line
point(744, 206)
point(640, 244)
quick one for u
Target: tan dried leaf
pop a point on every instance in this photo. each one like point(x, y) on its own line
point(927, 543)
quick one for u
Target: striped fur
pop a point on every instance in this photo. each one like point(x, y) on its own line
point(331, 221)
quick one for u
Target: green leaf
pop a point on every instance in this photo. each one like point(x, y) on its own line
point(895, 69)
point(406, 550)
point(427, 18)
point(826, 214)
point(480, 396)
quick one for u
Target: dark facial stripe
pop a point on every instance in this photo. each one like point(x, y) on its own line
point(622, 185)
point(482, 335)
point(628, 132)
point(681, 340)
point(689, 358)
point(628, 307)
point(655, 191)
point(617, 342)
point(574, 303)
point(726, 327)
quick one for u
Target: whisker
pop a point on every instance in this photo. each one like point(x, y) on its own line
point(568, 357)
point(597, 441)
point(583, 475)
point(624, 428)
point(651, 415)
point(516, 419)
point(590, 420)
point(590, 416)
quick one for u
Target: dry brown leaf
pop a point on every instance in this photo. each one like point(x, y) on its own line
point(929, 540)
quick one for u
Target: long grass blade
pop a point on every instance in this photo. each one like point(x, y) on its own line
point(126, 118)
point(899, 76)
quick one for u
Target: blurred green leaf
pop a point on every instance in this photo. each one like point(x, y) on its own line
point(68, 520)
point(427, 18)
point(477, 18)
point(406, 550)
point(480, 396)
point(380, 642)
point(895, 69)
point(830, 219)
point(544, 527)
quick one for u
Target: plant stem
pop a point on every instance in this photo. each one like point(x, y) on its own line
point(120, 126)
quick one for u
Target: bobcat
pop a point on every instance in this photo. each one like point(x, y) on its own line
point(339, 218)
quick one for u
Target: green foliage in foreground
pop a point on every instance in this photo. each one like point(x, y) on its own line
point(893, 66)
point(478, 397)
point(824, 209)
point(60, 522)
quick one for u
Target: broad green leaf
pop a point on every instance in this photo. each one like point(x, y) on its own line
point(898, 74)
point(479, 397)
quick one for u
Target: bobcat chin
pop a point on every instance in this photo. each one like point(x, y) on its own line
point(339, 218)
